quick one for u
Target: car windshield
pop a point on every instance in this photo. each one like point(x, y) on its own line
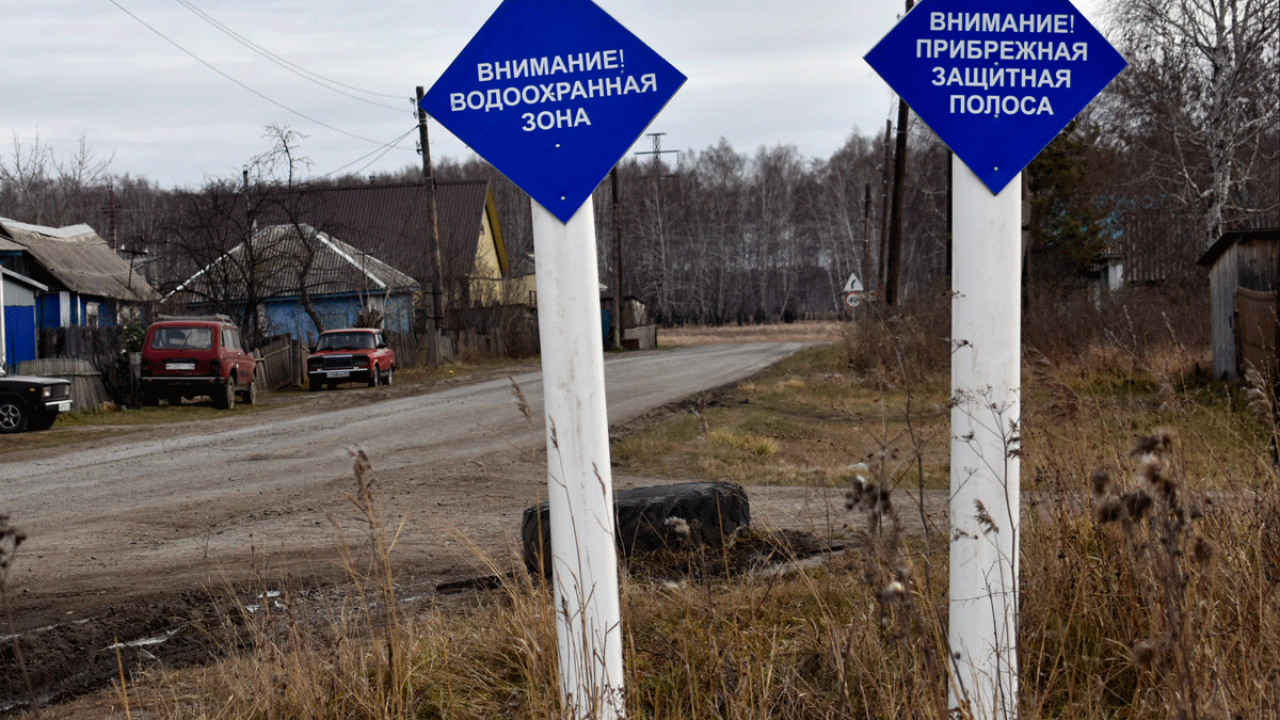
point(346, 341)
point(182, 338)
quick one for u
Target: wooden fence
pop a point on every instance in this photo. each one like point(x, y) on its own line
point(101, 346)
point(282, 362)
point(87, 389)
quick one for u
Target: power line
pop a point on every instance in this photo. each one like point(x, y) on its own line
point(198, 59)
point(380, 152)
point(322, 81)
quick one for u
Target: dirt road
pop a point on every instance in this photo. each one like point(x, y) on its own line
point(127, 538)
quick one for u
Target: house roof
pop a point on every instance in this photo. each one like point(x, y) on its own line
point(79, 259)
point(279, 254)
point(1230, 238)
point(390, 221)
point(23, 280)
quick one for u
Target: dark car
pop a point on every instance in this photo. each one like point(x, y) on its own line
point(31, 403)
point(350, 355)
point(186, 357)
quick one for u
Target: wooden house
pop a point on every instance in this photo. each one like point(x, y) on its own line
point(57, 278)
point(87, 283)
point(391, 221)
point(296, 277)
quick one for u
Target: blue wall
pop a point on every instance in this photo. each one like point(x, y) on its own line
point(20, 334)
point(48, 310)
point(286, 316)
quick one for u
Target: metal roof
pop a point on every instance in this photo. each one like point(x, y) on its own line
point(281, 260)
point(390, 222)
point(80, 260)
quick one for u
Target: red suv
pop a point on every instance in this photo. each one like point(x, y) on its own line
point(350, 355)
point(185, 357)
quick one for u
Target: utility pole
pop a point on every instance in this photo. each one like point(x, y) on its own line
point(886, 184)
point(110, 212)
point(617, 260)
point(437, 295)
point(656, 152)
point(866, 235)
point(899, 190)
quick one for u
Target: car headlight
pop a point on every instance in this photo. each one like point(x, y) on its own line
point(46, 391)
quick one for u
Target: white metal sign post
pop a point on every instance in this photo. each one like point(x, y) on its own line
point(579, 479)
point(553, 93)
point(985, 363)
point(997, 80)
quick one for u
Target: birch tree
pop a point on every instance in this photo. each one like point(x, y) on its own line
point(1200, 98)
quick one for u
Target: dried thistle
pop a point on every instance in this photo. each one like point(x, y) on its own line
point(1157, 443)
point(1202, 551)
point(1143, 654)
point(1152, 468)
point(1100, 482)
point(1136, 504)
point(1108, 511)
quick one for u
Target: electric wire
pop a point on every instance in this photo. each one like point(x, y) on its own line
point(379, 152)
point(318, 79)
point(278, 104)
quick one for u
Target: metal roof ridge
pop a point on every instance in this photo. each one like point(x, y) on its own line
point(329, 240)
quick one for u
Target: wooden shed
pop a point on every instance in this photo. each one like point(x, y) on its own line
point(1243, 269)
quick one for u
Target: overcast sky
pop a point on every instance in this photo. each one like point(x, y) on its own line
point(178, 91)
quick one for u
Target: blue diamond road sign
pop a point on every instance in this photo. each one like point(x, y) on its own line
point(997, 80)
point(552, 94)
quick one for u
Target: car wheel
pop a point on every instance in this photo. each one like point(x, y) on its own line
point(226, 399)
point(374, 375)
point(251, 393)
point(388, 377)
point(313, 384)
point(13, 417)
point(175, 400)
point(150, 398)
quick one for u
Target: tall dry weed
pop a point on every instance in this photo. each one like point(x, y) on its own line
point(894, 346)
point(11, 538)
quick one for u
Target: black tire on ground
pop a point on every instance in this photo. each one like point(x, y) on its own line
point(13, 417)
point(700, 514)
point(313, 384)
point(374, 376)
point(388, 377)
point(225, 399)
point(149, 398)
point(250, 394)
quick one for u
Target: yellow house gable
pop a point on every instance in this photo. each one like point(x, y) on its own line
point(491, 266)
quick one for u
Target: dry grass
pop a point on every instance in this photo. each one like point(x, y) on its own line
point(819, 331)
point(1150, 565)
point(802, 424)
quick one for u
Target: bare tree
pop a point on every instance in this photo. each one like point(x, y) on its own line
point(1199, 101)
point(44, 189)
